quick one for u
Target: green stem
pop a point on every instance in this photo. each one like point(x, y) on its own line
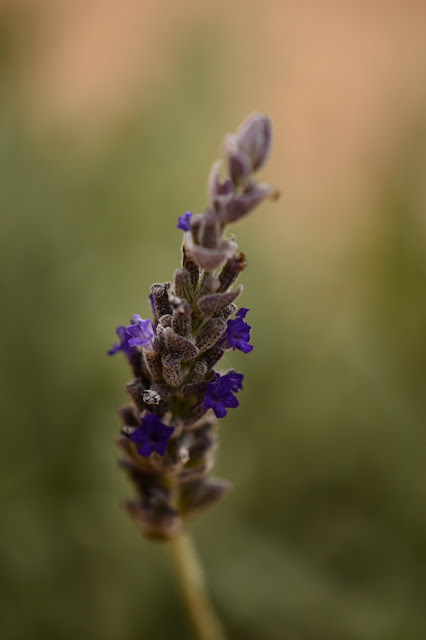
point(191, 582)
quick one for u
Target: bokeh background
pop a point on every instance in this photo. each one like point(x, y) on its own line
point(111, 113)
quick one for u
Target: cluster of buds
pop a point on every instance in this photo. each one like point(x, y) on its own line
point(168, 435)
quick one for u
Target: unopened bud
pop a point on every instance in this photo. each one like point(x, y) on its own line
point(254, 138)
point(231, 271)
point(216, 301)
point(210, 333)
point(241, 204)
point(192, 267)
point(161, 298)
point(209, 234)
point(215, 188)
point(238, 161)
point(153, 362)
point(209, 259)
point(179, 344)
point(183, 285)
point(172, 369)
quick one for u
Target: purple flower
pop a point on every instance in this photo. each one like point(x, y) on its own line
point(152, 435)
point(238, 332)
point(141, 332)
point(218, 394)
point(124, 345)
point(184, 222)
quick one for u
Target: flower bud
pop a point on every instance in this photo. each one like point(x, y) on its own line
point(161, 298)
point(214, 302)
point(254, 139)
point(231, 271)
point(209, 233)
point(241, 204)
point(192, 267)
point(179, 344)
point(206, 258)
point(238, 161)
point(172, 369)
point(216, 189)
point(210, 333)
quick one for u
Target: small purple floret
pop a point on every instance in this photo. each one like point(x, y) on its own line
point(124, 345)
point(238, 332)
point(152, 435)
point(236, 379)
point(141, 332)
point(218, 394)
point(184, 222)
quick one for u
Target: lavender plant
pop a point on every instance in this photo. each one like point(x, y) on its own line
point(168, 435)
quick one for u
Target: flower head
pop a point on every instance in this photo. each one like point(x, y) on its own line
point(152, 435)
point(124, 345)
point(238, 332)
point(218, 395)
point(184, 222)
point(141, 332)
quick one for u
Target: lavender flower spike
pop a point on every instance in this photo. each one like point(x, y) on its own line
point(168, 436)
point(184, 222)
point(238, 332)
point(152, 435)
point(141, 332)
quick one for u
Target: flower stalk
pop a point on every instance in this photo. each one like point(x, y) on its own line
point(190, 577)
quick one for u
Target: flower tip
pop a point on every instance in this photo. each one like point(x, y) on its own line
point(184, 222)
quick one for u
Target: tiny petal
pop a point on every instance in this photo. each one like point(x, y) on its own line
point(237, 379)
point(141, 332)
point(238, 332)
point(184, 222)
point(123, 345)
point(152, 435)
point(114, 349)
point(218, 395)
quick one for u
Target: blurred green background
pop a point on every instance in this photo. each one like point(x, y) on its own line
point(111, 115)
